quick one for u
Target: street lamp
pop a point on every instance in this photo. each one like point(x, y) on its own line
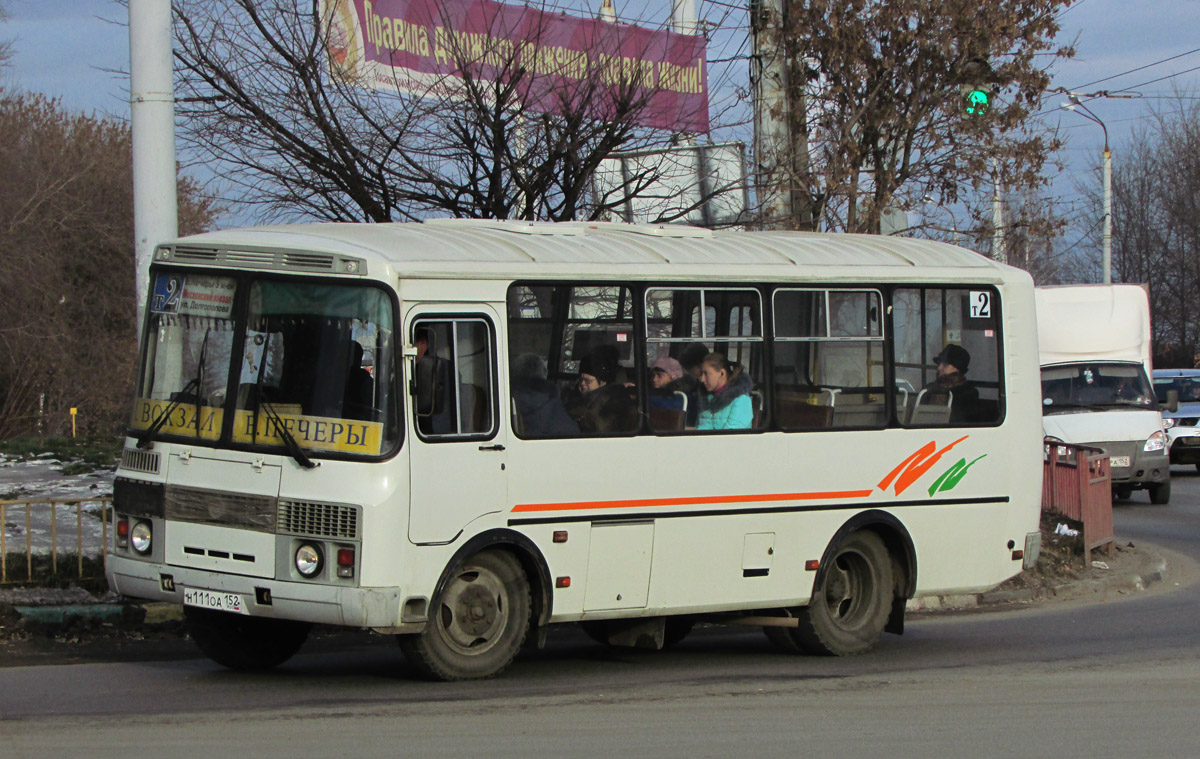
point(1106, 245)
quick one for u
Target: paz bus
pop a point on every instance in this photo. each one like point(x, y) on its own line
point(384, 426)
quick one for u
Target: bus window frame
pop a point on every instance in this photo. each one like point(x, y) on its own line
point(415, 322)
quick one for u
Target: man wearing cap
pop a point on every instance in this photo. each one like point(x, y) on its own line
point(603, 404)
point(952, 365)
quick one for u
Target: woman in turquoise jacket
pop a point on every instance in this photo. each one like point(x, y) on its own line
point(726, 405)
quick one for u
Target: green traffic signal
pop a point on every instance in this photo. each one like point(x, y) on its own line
point(977, 101)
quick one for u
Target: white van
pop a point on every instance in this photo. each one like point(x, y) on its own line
point(1094, 348)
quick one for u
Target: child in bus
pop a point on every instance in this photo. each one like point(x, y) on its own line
point(667, 379)
point(726, 405)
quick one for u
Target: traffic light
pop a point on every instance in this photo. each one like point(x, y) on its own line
point(977, 91)
point(977, 99)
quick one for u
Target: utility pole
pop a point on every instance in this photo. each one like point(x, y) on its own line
point(1075, 102)
point(779, 77)
point(152, 106)
point(997, 217)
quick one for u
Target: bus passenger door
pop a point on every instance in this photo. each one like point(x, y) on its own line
point(457, 447)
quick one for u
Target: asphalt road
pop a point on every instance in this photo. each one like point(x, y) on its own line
point(1079, 679)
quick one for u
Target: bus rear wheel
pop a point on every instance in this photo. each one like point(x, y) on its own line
point(245, 643)
point(849, 609)
point(478, 623)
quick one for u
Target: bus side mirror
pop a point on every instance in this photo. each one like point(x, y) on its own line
point(1172, 401)
point(429, 371)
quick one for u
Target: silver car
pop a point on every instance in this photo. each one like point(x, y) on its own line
point(1181, 425)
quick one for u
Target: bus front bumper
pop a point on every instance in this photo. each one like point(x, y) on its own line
point(319, 604)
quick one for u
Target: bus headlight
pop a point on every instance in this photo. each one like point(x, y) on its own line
point(1168, 423)
point(1156, 442)
point(309, 560)
point(139, 537)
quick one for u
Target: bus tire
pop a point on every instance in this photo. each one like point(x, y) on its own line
point(849, 610)
point(244, 643)
point(478, 623)
point(1160, 494)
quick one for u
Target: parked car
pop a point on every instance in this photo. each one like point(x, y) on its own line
point(1183, 434)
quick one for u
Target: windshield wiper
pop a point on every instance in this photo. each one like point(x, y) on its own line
point(146, 437)
point(289, 440)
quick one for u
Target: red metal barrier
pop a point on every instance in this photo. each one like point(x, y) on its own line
point(1076, 483)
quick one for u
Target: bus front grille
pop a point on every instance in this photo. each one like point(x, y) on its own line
point(323, 520)
point(139, 461)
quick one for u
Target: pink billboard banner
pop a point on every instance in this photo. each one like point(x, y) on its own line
point(560, 64)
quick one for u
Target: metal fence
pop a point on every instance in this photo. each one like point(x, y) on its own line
point(1077, 483)
point(45, 528)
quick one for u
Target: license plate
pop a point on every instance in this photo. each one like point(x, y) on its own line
point(1118, 461)
point(209, 599)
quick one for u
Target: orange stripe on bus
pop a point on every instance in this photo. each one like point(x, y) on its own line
point(695, 501)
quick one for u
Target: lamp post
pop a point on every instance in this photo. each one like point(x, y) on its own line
point(1106, 239)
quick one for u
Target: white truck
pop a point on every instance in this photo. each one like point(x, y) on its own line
point(1094, 346)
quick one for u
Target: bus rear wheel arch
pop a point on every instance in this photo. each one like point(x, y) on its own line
point(478, 620)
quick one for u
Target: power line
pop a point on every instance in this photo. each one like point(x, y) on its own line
point(1139, 68)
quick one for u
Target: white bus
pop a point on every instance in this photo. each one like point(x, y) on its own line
point(465, 432)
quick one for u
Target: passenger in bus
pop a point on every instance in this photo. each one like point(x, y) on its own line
point(726, 405)
point(602, 404)
point(441, 421)
point(692, 361)
point(540, 411)
point(952, 365)
point(357, 401)
point(666, 380)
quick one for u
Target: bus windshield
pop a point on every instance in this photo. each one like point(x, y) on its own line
point(1095, 385)
point(254, 362)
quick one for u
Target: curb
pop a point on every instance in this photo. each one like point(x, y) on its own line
point(1116, 583)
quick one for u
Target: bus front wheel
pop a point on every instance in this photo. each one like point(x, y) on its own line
point(478, 622)
point(244, 643)
point(849, 609)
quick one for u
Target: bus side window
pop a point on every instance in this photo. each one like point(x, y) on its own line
point(455, 358)
point(954, 358)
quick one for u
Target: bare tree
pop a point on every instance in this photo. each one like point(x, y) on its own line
point(885, 116)
point(66, 279)
point(6, 46)
point(1156, 226)
point(295, 135)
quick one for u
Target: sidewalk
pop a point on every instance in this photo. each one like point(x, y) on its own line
point(1129, 570)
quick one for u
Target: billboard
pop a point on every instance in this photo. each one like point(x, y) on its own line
point(704, 185)
point(559, 64)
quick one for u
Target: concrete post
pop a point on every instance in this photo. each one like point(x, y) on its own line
point(152, 105)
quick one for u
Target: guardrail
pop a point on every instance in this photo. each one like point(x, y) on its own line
point(35, 528)
point(1077, 483)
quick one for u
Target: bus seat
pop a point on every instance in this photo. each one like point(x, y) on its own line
point(796, 414)
point(667, 419)
point(684, 398)
point(931, 407)
point(756, 401)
